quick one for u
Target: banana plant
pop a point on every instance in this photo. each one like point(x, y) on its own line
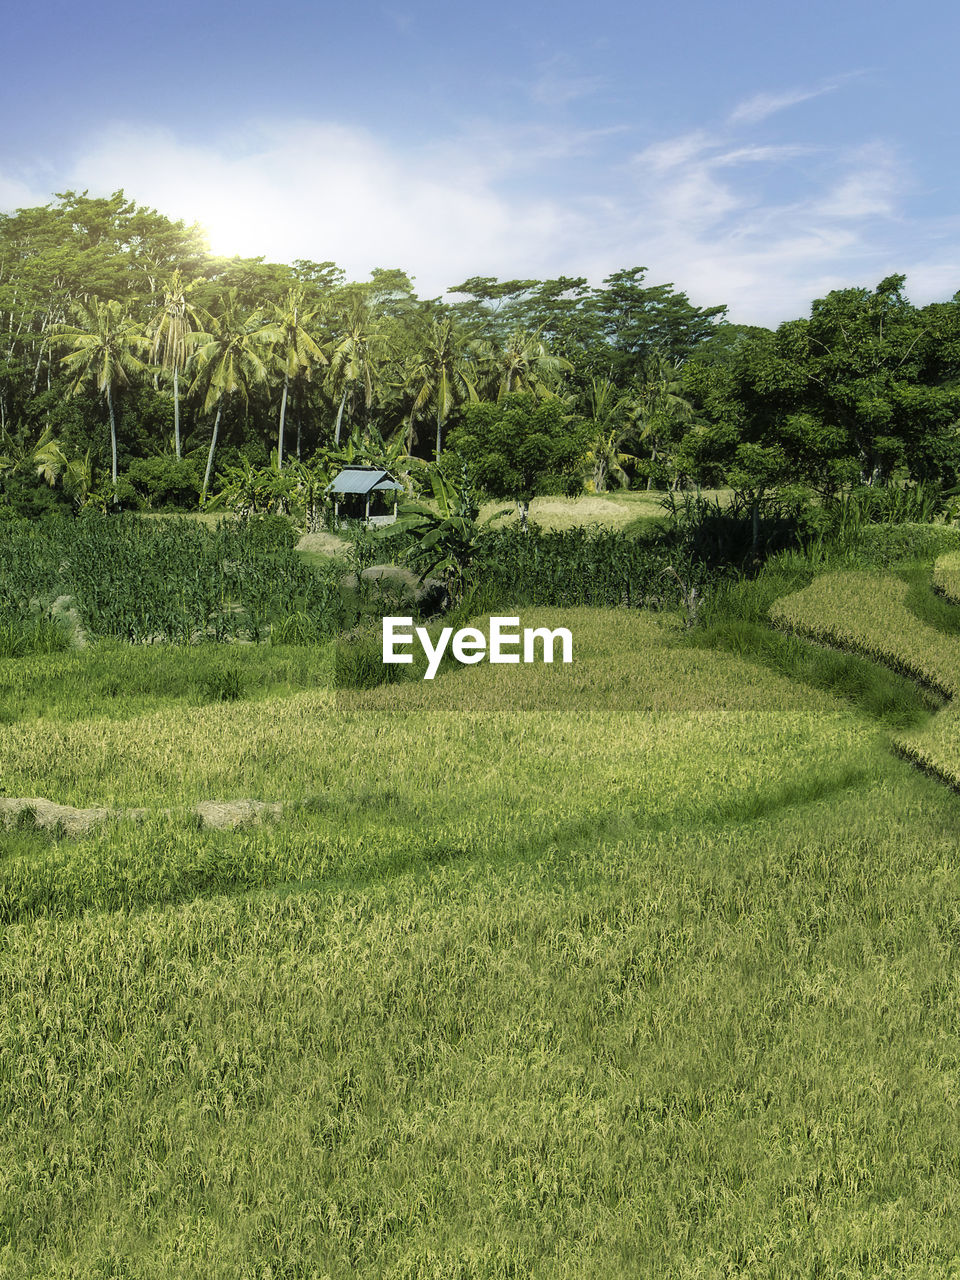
point(249, 490)
point(51, 463)
point(447, 530)
point(310, 486)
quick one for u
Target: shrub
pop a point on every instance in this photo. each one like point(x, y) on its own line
point(884, 544)
point(162, 482)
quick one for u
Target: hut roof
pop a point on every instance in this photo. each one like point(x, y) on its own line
point(362, 480)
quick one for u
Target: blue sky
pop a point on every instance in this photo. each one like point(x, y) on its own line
point(756, 154)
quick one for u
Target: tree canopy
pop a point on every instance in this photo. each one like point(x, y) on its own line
point(862, 390)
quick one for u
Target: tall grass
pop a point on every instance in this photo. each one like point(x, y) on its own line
point(171, 580)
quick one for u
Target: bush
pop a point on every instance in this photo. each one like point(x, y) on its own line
point(163, 483)
point(225, 683)
point(358, 662)
point(266, 533)
point(30, 498)
point(884, 544)
point(37, 635)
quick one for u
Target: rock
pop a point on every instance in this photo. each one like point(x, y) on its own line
point(73, 822)
point(235, 813)
point(76, 822)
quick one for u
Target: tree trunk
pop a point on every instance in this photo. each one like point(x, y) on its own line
point(176, 411)
point(213, 445)
point(113, 439)
point(283, 414)
point(36, 372)
point(524, 509)
point(336, 433)
point(439, 436)
point(755, 521)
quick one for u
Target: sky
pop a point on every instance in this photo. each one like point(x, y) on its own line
point(756, 154)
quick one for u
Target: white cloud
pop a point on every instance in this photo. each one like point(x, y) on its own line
point(328, 191)
point(762, 228)
point(870, 188)
point(18, 192)
point(559, 83)
point(718, 222)
point(762, 105)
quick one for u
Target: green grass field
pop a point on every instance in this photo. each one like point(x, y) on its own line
point(641, 966)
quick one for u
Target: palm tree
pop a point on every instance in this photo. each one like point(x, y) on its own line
point(226, 361)
point(353, 361)
point(658, 406)
point(172, 332)
point(297, 350)
point(445, 375)
point(524, 363)
point(103, 348)
point(612, 433)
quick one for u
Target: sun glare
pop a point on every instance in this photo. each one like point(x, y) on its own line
point(240, 230)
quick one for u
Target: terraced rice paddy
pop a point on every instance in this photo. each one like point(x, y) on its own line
point(642, 966)
point(946, 575)
point(868, 612)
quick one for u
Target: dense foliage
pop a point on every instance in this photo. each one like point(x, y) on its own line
point(154, 368)
point(586, 566)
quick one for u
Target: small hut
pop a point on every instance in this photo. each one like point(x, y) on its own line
point(364, 493)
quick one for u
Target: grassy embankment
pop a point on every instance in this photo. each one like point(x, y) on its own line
point(946, 575)
point(892, 619)
point(640, 966)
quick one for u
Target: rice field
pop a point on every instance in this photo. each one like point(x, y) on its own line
point(868, 612)
point(639, 966)
point(946, 575)
point(613, 510)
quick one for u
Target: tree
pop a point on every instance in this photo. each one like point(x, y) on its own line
point(354, 360)
point(524, 363)
point(47, 459)
point(869, 361)
point(103, 351)
point(444, 375)
point(298, 351)
point(227, 361)
point(659, 410)
point(172, 332)
point(640, 320)
point(611, 431)
point(862, 392)
point(521, 446)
